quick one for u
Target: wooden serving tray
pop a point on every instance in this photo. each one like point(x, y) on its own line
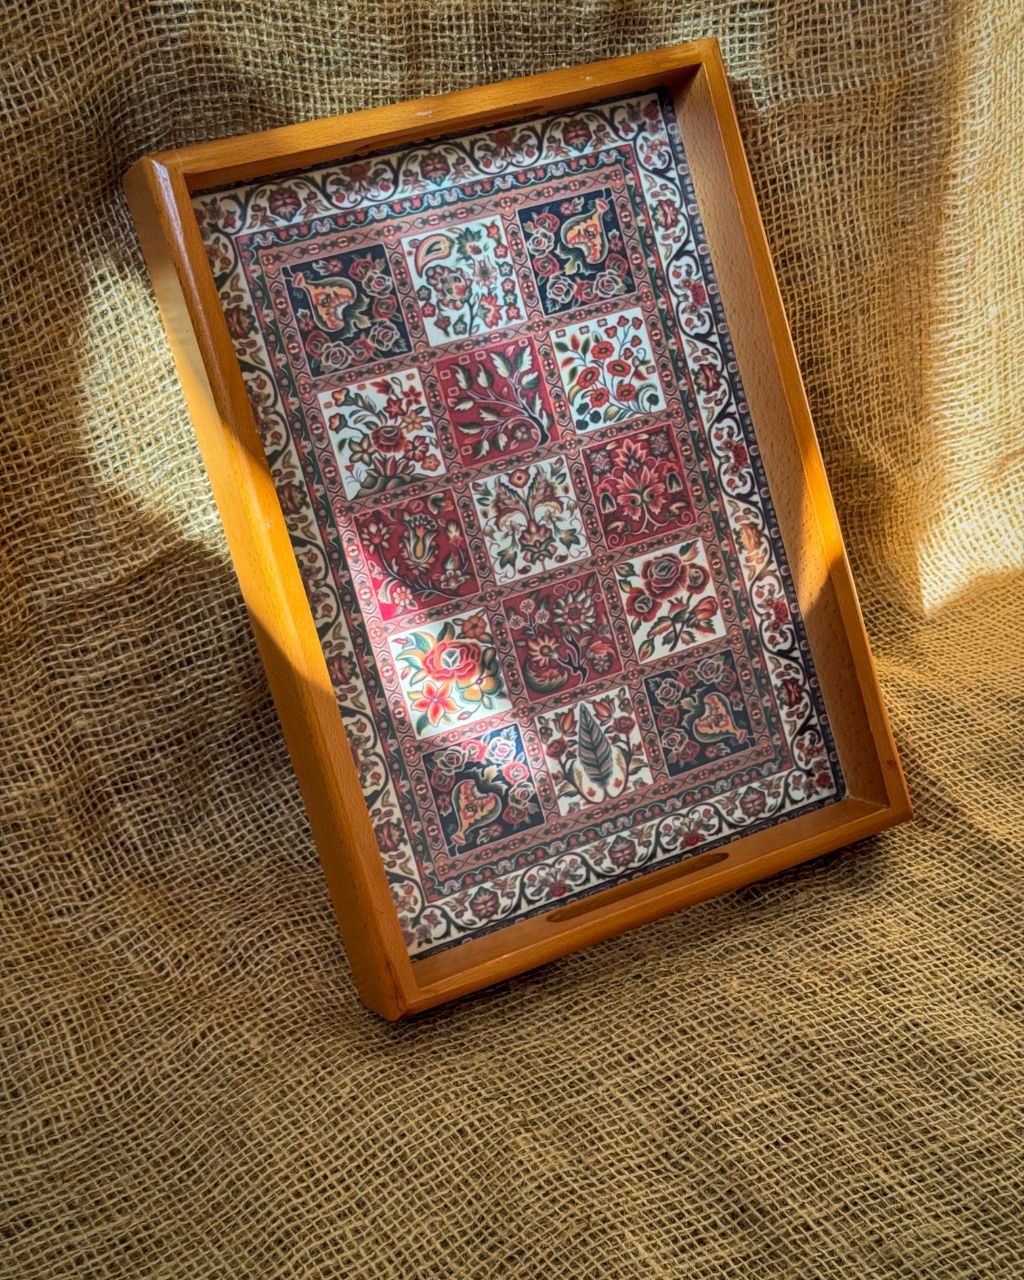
point(505, 426)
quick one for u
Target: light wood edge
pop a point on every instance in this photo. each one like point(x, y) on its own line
point(298, 146)
point(158, 189)
point(816, 483)
point(519, 947)
point(271, 585)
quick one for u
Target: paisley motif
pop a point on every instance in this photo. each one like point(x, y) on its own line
point(586, 232)
point(328, 298)
point(346, 310)
point(472, 807)
point(577, 250)
point(715, 720)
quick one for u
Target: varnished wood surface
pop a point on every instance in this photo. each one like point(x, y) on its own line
point(158, 188)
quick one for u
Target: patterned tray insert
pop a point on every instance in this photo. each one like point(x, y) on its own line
point(499, 403)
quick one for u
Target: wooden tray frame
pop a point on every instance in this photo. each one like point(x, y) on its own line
point(159, 189)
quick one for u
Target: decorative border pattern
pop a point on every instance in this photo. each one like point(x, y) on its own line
point(475, 325)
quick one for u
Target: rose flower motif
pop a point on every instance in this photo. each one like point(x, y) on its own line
point(608, 284)
point(377, 282)
point(662, 576)
point(545, 264)
point(451, 285)
point(389, 437)
point(559, 288)
point(240, 323)
point(284, 203)
point(640, 604)
point(456, 660)
point(485, 903)
point(384, 335)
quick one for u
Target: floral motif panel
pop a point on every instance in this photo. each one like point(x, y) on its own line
point(382, 433)
point(496, 401)
point(700, 711)
point(561, 635)
point(530, 518)
point(345, 310)
point(464, 280)
point(483, 789)
point(670, 600)
point(501, 409)
point(639, 486)
point(577, 252)
point(449, 673)
point(416, 554)
point(608, 369)
point(594, 750)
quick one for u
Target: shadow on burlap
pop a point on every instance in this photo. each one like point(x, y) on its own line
point(819, 1076)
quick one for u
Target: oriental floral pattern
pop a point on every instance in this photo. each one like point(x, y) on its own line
point(416, 554)
point(670, 600)
point(449, 673)
point(530, 519)
point(497, 403)
point(503, 417)
point(464, 279)
point(608, 370)
point(561, 635)
point(346, 310)
point(593, 750)
point(483, 789)
point(700, 711)
point(382, 433)
point(638, 486)
point(576, 251)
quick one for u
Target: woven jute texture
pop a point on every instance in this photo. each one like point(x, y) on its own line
point(817, 1077)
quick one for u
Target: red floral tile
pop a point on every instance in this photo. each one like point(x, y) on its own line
point(639, 487)
point(417, 554)
point(561, 635)
point(497, 401)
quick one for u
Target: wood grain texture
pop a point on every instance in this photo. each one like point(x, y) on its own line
point(159, 188)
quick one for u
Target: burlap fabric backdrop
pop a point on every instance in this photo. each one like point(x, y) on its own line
point(817, 1077)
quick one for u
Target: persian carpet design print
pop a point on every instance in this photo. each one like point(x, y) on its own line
point(502, 413)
